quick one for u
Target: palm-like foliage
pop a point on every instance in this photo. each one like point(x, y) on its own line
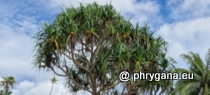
point(7, 82)
point(148, 55)
point(53, 81)
point(201, 82)
point(92, 44)
point(82, 36)
point(2, 92)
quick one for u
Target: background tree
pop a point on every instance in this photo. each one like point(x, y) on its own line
point(201, 82)
point(53, 81)
point(2, 92)
point(6, 83)
point(90, 45)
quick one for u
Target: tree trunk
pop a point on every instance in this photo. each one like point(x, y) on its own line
point(151, 92)
point(208, 59)
point(155, 92)
point(94, 88)
point(51, 89)
point(6, 88)
point(94, 92)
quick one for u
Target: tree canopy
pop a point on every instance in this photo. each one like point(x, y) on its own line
point(201, 82)
point(90, 45)
point(6, 83)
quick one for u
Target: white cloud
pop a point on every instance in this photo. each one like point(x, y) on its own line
point(139, 11)
point(15, 52)
point(41, 88)
point(25, 85)
point(190, 35)
point(16, 55)
point(27, 25)
point(189, 9)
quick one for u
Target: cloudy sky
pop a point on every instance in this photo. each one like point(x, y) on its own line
point(184, 24)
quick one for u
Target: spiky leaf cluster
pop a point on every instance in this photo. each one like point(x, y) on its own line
point(91, 44)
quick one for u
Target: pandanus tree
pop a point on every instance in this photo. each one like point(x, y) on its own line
point(6, 83)
point(91, 44)
point(77, 46)
point(201, 82)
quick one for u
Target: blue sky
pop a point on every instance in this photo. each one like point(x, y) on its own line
point(184, 24)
